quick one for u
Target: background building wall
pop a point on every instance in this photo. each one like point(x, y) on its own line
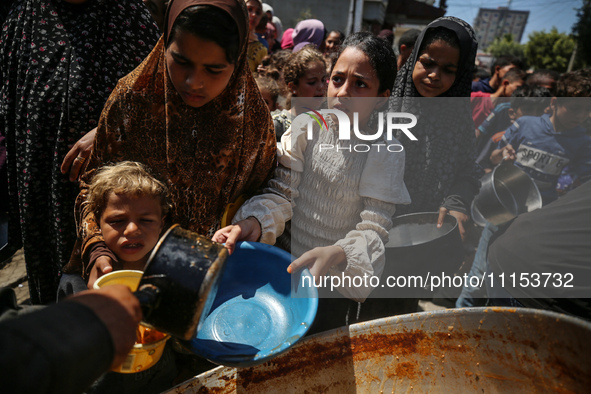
point(333, 13)
point(492, 23)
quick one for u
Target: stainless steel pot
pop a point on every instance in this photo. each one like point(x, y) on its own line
point(180, 282)
point(505, 192)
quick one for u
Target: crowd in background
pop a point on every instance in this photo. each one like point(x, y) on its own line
point(87, 84)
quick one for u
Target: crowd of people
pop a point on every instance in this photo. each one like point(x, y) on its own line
point(121, 118)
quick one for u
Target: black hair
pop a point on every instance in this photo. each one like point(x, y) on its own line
point(408, 38)
point(503, 61)
point(268, 83)
point(211, 24)
point(340, 33)
point(515, 74)
point(381, 57)
point(263, 22)
point(538, 76)
point(273, 64)
point(531, 99)
point(388, 35)
point(574, 84)
point(543, 72)
point(279, 58)
point(439, 33)
point(481, 73)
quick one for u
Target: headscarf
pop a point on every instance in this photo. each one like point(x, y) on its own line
point(175, 7)
point(268, 8)
point(209, 155)
point(440, 166)
point(309, 31)
point(404, 86)
point(275, 21)
point(279, 26)
point(287, 39)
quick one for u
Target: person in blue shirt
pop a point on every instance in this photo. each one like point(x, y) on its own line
point(542, 146)
point(525, 101)
point(481, 112)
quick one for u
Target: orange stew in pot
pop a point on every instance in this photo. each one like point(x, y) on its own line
point(147, 335)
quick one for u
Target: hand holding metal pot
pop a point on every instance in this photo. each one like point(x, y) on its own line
point(505, 154)
point(419, 247)
point(460, 217)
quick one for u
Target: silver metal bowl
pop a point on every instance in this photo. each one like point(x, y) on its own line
point(505, 192)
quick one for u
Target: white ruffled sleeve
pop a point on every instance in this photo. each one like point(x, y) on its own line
point(382, 188)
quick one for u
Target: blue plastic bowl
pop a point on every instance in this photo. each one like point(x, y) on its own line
point(259, 311)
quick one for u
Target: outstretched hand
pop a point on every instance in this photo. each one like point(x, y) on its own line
point(102, 266)
point(248, 229)
point(319, 260)
point(461, 218)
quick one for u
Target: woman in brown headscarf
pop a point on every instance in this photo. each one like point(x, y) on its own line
point(192, 112)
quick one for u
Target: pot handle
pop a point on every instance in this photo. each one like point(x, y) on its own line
point(148, 295)
point(505, 161)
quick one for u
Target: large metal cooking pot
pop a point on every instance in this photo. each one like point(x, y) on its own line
point(505, 192)
point(180, 282)
point(417, 247)
point(498, 350)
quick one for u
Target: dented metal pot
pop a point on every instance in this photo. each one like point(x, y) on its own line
point(505, 192)
point(180, 282)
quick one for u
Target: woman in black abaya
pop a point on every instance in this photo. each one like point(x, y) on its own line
point(60, 60)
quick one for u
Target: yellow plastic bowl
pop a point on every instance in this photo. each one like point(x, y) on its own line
point(129, 278)
point(141, 356)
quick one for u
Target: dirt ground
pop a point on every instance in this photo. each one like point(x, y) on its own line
point(13, 274)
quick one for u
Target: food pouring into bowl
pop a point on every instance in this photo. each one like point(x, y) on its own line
point(218, 306)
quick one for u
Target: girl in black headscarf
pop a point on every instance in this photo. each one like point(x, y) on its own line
point(440, 171)
point(60, 61)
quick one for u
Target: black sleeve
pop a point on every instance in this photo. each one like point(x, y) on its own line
point(554, 243)
point(461, 195)
point(62, 349)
